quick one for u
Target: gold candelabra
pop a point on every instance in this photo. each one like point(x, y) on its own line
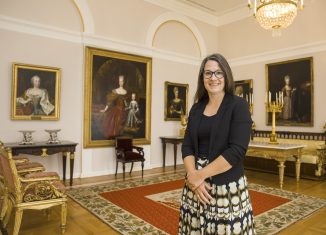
point(184, 121)
point(274, 107)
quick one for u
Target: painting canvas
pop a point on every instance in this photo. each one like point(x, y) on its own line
point(176, 101)
point(295, 79)
point(35, 92)
point(117, 97)
point(244, 89)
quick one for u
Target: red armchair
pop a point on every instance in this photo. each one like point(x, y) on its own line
point(125, 154)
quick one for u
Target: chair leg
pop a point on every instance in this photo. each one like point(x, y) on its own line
point(8, 212)
point(142, 169)
point(124, 169)
point(18, 220)
point(116, 168)
point(4, 204)
point(132, 166)
point(63, 217)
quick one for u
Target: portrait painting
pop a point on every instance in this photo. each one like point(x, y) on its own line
point(176, 101)
point(117, 97)
point(294, 81)
point(244, 89)
point(35, 92)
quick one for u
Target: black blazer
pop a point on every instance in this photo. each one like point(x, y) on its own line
point(229, 136)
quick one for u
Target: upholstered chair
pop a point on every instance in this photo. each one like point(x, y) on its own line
point(125, 154)
point(23, 167)
point(37, 190)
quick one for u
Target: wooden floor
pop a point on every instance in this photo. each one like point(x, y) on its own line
point(81, 222)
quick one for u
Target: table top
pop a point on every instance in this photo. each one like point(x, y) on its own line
point(172, 137)
point(281, 146)
point(39, 144)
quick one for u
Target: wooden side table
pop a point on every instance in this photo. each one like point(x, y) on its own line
point(175, 140)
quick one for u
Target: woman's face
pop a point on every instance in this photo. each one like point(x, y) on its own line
point(121, 81)
point(287, 80)
point(36, 82)
point(213, 85)
point(176, 93)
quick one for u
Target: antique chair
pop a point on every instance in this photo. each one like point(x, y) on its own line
point(125, 154)
point(37, 190)
point(24, 167)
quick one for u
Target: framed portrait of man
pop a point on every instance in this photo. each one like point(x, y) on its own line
point(292, 79)
point(117, 97)
point(244, 89)
point(35, 92)
point(175, 101)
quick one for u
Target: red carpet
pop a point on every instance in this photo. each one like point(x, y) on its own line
point(165, 218)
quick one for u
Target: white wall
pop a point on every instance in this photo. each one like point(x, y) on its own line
point(50, 34)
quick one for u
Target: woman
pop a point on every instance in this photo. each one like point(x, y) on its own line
point(115, 111)
point(287, 112)
point(176, 105)
point(215, 199)
point(36, 99)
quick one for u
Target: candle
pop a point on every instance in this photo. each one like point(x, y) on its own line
point(282, 98)
point(269, 97)
point(247, 97)
point(252, 98)
point(276, 100)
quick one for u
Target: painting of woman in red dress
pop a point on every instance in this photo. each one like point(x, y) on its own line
point(115, 114)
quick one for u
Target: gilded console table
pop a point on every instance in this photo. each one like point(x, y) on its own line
point(175, 140)
point(43, 149)
point(278, 152)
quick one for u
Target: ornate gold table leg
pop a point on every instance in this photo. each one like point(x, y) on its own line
point(281, 167)
point(297, 167)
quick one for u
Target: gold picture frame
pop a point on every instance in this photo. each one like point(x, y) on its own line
point(298, 97)
point(244, 89)
point(117, 97)
point(175, 101)
point(35, 92)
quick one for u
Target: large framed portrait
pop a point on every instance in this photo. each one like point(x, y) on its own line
point(35, 92)
point(294, 79)
point(175, 101)
point(244, 89)
point(117, 97)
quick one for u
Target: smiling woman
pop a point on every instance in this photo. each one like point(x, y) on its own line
point(213, 149)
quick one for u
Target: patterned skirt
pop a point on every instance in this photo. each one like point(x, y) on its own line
point(230, 211)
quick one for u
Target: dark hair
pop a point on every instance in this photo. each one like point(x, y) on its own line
point(201, 93)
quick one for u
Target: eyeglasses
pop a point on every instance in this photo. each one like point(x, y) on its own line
point(209, 74)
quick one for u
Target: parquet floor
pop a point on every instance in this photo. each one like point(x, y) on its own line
point(81, 222)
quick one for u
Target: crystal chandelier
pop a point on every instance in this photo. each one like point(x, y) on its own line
point(275, 14)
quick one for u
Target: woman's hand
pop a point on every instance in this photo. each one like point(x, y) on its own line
point(203, 194)
point(194, 179)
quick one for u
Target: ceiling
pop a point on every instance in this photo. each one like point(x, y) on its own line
point(216, 7)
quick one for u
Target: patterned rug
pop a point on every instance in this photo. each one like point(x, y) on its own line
point(151, 205)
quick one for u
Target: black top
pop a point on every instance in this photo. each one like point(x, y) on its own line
point(229, 136)
point(204, 132)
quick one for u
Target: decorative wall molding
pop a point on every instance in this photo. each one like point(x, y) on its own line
point(22, 26)
point(305, 49)
point(88, 39)
point(171, 16)
point(187, 10)
point(237, 13)
point(86, 15)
